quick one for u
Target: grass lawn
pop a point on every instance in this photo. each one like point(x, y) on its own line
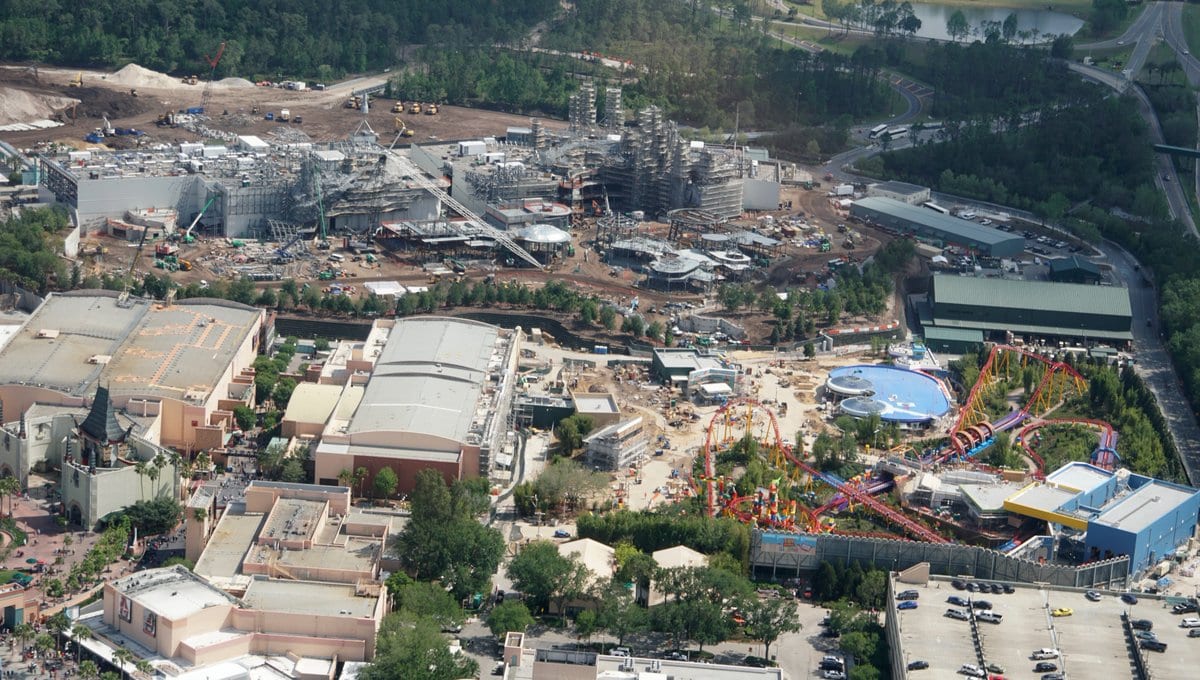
point(835, 42)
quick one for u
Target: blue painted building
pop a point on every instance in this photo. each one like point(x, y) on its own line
point(1103, 514)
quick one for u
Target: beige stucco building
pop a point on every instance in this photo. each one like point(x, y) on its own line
point(422, 392)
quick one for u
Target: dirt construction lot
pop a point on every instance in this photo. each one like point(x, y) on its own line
point(109, 94)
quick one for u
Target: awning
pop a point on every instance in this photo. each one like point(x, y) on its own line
point(716, 389)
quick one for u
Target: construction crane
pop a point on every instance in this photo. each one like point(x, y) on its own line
point(124, 297)
point(206, 96)
point(187, 235)
point(479, 226)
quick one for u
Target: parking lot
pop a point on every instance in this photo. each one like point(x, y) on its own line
point(1092, 640)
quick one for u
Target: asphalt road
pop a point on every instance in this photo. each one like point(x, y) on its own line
point(1146, 23)
point(1153, 363)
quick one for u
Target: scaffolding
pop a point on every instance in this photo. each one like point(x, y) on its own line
point(582, 107)
point(614, 114)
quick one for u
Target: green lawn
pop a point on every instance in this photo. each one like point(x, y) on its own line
point(835, 42)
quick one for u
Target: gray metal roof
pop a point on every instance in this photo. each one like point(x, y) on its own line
point(1043, 296)
point(1142, 507)
point(428, 378)
point(899, 187)
point(76, 339)
point(1062, 264)
point(947, 334)
point(925, 217)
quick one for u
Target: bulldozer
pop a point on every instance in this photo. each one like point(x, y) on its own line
point(402, 129)
point(431, 110)
point(78, 82)
point(414, 108)
point(353, 103)
point(191, 80)
point(398, 107)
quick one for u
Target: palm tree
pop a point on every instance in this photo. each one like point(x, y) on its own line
point(57, 624)
point(200, 514)
point(140, 468)
point(9, 486)
point(121, 657)
point(360, 476)
point(152, 472)
point(88, 670)
point(81, 632)
point(23, 632)
point(144, 667)
point(345, 477)
point(44, 643)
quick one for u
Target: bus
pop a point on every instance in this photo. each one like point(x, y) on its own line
point(893, 133)
point(936, 208)
point(877, 130)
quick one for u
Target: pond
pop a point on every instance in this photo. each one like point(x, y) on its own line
point(1046, 22)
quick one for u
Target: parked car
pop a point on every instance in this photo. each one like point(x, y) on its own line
point(1142, 624)
point(562, 533)
point(1045, 667)
point(995, 668)
point(981, 604)
point(908, 595)
point(1153, 645)
point(1093, 595)
point(1044, 653)
point(918, 665)
point(1190, 622)
point(907, 604)
point(989, 616)
point(959, 584)
point(1129, 598)
point(960, 601)
point(972, 670)
point(833, 675)
point(959, 614)
point(1184, 608)
point(1144, 635)
point(1195, 632)
point(1008, 588)
point(1053, 676)
point(1062, 611)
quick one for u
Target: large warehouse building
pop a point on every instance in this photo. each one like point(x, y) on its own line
point(934, 226)
point(438, 395)
point(1037, 308)
point(1099, 514)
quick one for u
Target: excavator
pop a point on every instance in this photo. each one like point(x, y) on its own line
point(78, 82)
point(402, 129)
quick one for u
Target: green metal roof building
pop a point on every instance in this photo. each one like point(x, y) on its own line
point(934, 226)
point(1041, 308)
point(1074, 269)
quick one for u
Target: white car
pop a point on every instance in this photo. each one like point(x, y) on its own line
point(1190, 622)
point(1044, 653)
point(972, 670)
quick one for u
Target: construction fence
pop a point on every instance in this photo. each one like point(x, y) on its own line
point(779, 555)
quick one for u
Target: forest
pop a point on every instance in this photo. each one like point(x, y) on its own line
point(300, 38)
point(702, 70)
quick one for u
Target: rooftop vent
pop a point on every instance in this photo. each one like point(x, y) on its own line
point(99, 359)
point(47, 334)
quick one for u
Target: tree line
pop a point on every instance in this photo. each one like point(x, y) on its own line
point(300, 38)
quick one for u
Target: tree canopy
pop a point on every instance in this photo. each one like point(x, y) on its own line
point(443, 541)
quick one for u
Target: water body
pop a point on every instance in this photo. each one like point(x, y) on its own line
point(933, 20)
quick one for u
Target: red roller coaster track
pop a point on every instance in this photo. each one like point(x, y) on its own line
point(972, 426)
point(851, 491)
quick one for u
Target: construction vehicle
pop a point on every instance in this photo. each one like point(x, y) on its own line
point(191, 80)
point(398, 107)
point(270, 116)
point(352, 103)
point(297, 120)
point(401, 128)
point(254, 110)
point(414, 108)
point(284, 116)
point(165, 250)
point(78, 82)
point(431, 110)
point(133, 92)
point(121, 300)
point(107, 129)
point(185, 265)
point(187, 235)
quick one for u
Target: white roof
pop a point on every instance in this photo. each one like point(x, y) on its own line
point(714, 389)
point(597, 557)
point(173, 593)
point(382, 288)
point(253, 142)
point(312, 403)
point(679, 556)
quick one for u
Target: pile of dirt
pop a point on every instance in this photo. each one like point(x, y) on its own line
point(21, 106)
point(98, 101)
point(137, 76)
point(233, 83)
